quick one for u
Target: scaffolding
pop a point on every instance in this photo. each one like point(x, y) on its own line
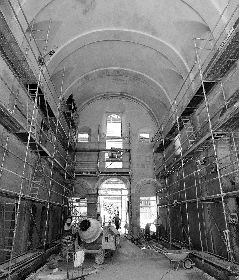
point(37, 145)
point(196, 152)
point(94, 159)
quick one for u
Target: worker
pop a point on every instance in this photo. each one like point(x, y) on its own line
point(147, 232)
point(117, 220)
point(67, 238)
point(158, 224)
point(99, 219)
point(126, 227)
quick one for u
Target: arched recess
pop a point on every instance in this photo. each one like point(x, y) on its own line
point(146, 181)
point(113, 199)
point(82, 188)
point(135, 197)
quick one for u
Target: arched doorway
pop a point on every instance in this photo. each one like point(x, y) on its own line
point(146, 194)
point(113, 199)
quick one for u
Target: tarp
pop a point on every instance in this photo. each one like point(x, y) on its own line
point(79, 258)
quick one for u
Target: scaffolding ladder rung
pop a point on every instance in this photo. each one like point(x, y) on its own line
point(9, 203)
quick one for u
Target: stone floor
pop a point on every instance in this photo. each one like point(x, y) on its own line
point(128, 263)
point(133, 263)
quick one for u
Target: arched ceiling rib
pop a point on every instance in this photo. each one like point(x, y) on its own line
point(106, 54)
point(121, 81)
point(149, 43)
point(123, 96)
point(119, 35)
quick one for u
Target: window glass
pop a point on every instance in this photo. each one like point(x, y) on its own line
point(144, 137)
point(114, 142)
point(113, 126)
point(83, 137)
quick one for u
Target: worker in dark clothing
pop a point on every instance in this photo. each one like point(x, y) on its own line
point(117, 221)
point(99, 219)
point(147, 232)
point(158, 225)
point(67, 238)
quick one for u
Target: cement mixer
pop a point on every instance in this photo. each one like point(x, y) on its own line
point(96, 240)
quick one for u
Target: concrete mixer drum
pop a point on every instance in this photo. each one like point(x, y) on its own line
point(98, 241)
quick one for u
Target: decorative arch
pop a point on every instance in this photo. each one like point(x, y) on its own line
point(121, 95)
point(105, 178)
point(154, 43)
point(116, 71)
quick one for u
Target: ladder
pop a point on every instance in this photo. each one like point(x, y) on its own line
point(32, 91)
point(189, 130)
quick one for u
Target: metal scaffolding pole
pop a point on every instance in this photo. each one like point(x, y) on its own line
point(226, 231)
point(22, 180)
point(167, 195)
point(32, 130)
point(183, 175)
point(208, 137)
point(52, 165)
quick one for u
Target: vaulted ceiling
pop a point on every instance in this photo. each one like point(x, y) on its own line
point(137, 48)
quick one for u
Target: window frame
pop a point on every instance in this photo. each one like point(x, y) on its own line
point(83, 133)
point(121, 124)
point(144, 139)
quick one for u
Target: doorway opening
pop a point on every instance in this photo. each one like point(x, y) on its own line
point(113, 199)
point(148, 212)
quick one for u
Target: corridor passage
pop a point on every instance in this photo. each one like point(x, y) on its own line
point(132, 263)
point(129, 262)
point(123, 114)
